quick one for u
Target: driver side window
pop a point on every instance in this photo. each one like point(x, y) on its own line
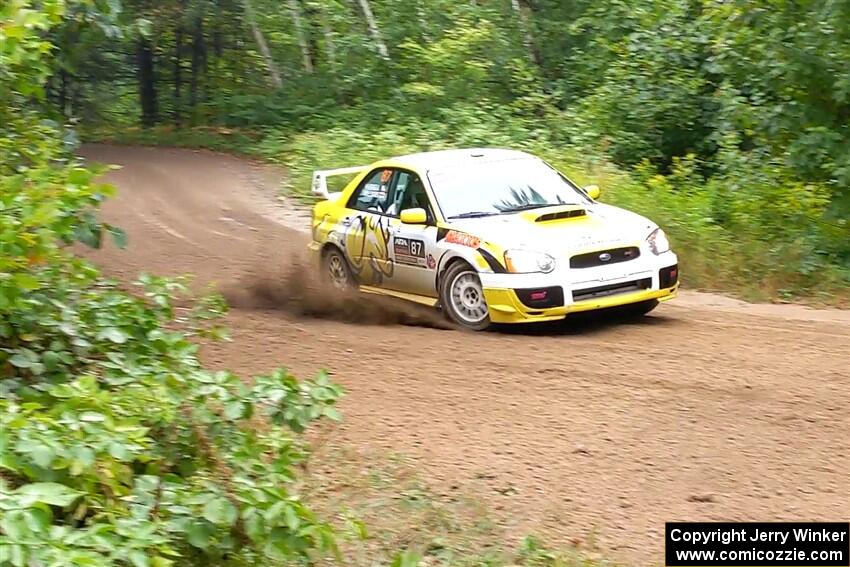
point(372, 195)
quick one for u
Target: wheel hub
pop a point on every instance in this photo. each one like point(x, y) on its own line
point(336, 271)
point(467, 297)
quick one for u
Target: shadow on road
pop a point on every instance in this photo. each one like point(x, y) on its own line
point(588, 323)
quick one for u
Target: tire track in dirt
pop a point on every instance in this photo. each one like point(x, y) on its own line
point(706, 410)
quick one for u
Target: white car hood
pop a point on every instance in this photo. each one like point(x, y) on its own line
point(604, 226)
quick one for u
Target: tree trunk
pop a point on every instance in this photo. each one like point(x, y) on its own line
point(274, 74)
point(374, 31)
point(178, 74)
point(199, 56)
point(147, 81)
point(301, 35)
point(330, 46)
point(63, 92)
point(525, 26)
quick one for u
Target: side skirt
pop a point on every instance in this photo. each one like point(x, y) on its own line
point(421, 299)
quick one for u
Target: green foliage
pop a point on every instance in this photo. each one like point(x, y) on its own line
point(736, 232)
point(116, 443)
point(653, 100)
point(116, 446)
point(753, 97)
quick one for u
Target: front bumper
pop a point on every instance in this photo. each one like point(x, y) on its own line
point(582, 289)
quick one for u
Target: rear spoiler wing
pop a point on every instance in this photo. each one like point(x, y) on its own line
point(320, 178)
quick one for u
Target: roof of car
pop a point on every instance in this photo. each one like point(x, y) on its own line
point(450, 158)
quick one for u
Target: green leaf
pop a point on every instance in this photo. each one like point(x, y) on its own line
point(199, 534)
point(406, 559)
point(138, 558)
point(253, 524)
point(42, 455)
point(114, 335)
point(92, 417)
point(358, 528)
point(51, 360)
point(51, 493)
point(27, 282)
point(234, 410)
point(14, 525)
point(118, 451)
point(332, 413)
point(88, 235)
point(18, 555)
point(292, 520)
point(220, 511)
point(24, 359)
point(38, 519)
point(119, 237)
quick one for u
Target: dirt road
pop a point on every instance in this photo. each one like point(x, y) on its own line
point(706, 410)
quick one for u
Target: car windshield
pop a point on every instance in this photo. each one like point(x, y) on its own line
point(492, 188)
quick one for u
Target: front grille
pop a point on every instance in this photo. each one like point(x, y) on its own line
point(611, 289)
point(541, 297)
point(613, 256)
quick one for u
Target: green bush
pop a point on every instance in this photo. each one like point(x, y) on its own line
point(116, 446)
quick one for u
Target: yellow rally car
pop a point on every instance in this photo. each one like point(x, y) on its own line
point(489, 236)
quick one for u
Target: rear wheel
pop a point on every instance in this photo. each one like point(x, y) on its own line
point(335, 270)
point(462, 297)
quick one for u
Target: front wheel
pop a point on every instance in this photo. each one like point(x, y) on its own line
point(335, 270)
point(462, 297)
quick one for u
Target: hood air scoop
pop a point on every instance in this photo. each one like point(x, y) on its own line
point(560, 213)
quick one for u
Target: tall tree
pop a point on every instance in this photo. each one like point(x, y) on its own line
point(146, 72)
point(374, 30)
point(199, 57)
point(301, 35)
point(178, 72)
point(525, 25)
point(259, 38)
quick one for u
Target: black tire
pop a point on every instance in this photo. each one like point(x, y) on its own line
point(463, 275)
point(335, 269)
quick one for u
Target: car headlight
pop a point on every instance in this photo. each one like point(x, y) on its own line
point(658, 242)
point(520, 261)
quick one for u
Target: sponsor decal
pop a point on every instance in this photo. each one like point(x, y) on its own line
point(432, 263)
point(373, 191)
point(409, 251)
point(365, 239)
point(463, 239)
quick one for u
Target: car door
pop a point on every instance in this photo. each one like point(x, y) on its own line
point(412, 246)
point(366, 228)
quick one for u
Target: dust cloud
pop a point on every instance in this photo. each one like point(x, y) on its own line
point(298, 290)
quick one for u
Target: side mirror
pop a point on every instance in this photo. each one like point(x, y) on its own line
point(414, 216)
point(593, 191)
